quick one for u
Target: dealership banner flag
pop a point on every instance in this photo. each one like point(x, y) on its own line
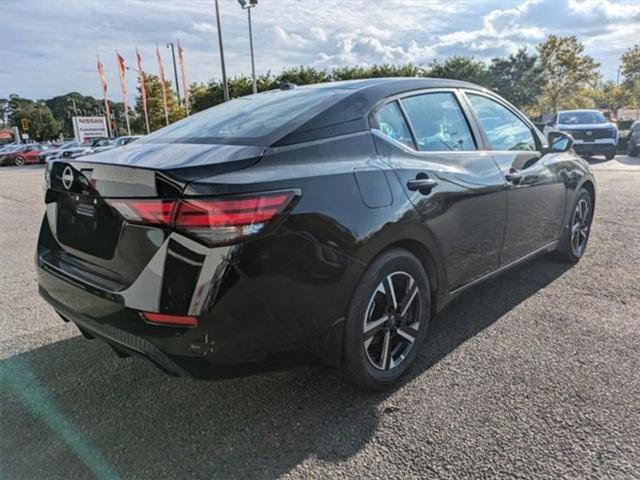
point(163, 85)
point(183, 71)
point(143, 89)
point(103, 80)
point(121, 68)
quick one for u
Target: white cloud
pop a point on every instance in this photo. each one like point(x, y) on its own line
point(203, 27)
point(289, 39)
point(318, 34)
point(59, 42)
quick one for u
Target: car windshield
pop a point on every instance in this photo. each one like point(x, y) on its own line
point(66, 145)
point(580, 118)
point(252, 120)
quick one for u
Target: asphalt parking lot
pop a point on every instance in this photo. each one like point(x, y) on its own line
point(533, 375)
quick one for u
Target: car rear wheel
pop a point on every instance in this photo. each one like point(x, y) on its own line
point(610, 155)
point(19, 161)
point(575, 238)
point(387, 320)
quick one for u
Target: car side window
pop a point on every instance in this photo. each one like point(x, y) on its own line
point(505, 131)
point(391, 122)
point(438, 122)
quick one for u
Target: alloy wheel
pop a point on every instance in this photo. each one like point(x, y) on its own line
point(19, 161)
point(580, 224)
point(392, 320)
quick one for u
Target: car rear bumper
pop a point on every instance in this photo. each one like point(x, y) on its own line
point(251, 316)
point(174, 351)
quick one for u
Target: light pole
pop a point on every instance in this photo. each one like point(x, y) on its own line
point(175, 70)
point(248, 6)
point(225, 86)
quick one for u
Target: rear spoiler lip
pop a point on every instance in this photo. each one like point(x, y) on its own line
point(132, 181)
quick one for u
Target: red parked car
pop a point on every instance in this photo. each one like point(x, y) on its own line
point(22, 155)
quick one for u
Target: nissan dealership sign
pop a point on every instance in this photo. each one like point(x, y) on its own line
point(86, 128)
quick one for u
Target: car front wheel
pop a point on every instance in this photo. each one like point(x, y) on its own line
point(575, 238)
point(387, 320)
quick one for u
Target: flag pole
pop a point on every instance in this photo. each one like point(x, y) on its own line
point(185, 85)
point(225, 84)
point(103, 80)
point(123, 85)
point(162, 85)
point(143, 90)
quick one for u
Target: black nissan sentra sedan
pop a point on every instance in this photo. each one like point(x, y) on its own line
point(330, 221)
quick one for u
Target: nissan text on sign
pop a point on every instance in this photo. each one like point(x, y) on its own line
point(86, 128)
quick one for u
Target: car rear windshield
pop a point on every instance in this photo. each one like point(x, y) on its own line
point(252, 120)
point(581, 118)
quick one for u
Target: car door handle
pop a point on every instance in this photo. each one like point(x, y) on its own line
point(513, 177)
point(424, 185)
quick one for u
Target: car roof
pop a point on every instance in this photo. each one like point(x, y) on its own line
point(348, 114)
point(581, 110)
point(395, 82)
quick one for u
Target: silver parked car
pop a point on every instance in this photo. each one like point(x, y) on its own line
point(592, 133)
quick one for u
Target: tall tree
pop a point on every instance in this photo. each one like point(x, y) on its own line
point(630, 61)
point(39, 119)
point(607, 95)
point(460, 68)
point(566, 69)
point(517, 78)
point(4, 111)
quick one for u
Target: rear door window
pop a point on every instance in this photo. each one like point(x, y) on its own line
point(391, 122)
point(438, 122)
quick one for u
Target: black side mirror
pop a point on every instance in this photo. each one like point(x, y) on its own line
point(559, 142)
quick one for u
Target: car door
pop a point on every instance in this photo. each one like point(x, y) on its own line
point(454, 185)
point(26, 153)
point(536, 182)
point(31, 154)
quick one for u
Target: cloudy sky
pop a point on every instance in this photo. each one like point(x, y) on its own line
point(49, 47)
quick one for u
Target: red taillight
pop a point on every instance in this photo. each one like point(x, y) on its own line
point(170, 320)
point(212, 220)
point(222, 220)
point(147, 211)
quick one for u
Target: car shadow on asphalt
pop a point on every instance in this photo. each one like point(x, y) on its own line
point(73, 410)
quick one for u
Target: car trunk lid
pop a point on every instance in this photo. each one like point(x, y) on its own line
point(91, 235)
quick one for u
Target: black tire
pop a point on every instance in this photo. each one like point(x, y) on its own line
point(568, 250)
point(18, 161)
point(610, 155)
point(401, 267)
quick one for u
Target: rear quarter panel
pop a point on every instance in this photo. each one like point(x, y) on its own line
point(301, 277)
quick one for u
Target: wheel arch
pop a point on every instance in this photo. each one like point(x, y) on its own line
point(419, 244)
point(427, 260)
point(591, 188)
